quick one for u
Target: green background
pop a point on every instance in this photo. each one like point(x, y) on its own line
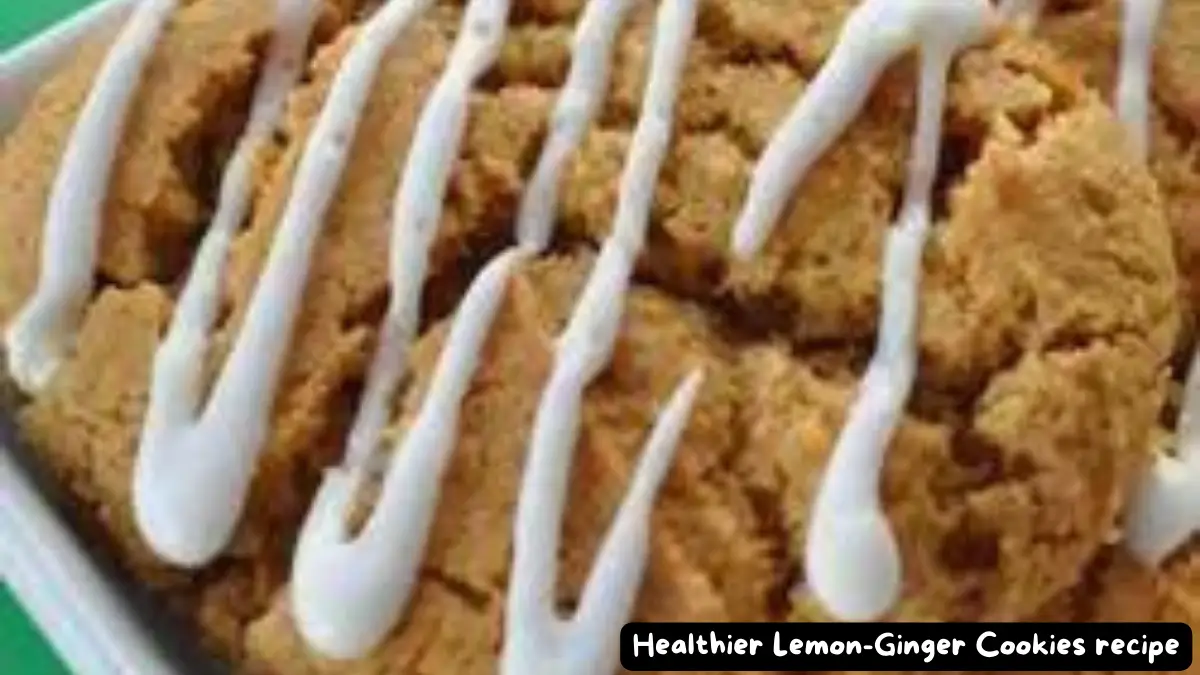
point(22, 649)
point(20, 18)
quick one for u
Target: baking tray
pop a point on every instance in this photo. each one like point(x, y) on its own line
point(99, 620)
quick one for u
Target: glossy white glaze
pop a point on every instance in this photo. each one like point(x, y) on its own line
point(193, 474)
point(349, 591)
point(537, 640)
point(1139, 28)
point(1165, 511)
point(43, 332)
point(577, 104)
point(852, 562)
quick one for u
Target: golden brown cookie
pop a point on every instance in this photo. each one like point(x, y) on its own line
point(185, 118)
point(1049, 314)
point(709, 561)
point(1115, 588)
point(1088, 35)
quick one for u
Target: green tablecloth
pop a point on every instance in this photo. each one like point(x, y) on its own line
point(23, 651)
point(21, 18)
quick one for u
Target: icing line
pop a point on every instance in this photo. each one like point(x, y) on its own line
point(1165, 510)
point(852, 560)
point(42, 333)
point(347, 593)
point(577, 105)
point(536, 639)
point(192, 477)
point(1133, 82)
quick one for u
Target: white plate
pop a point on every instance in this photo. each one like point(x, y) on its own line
point(96, 622)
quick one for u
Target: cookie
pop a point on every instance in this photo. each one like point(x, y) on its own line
point(1051, 310)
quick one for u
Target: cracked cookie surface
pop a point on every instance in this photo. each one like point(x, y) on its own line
point(184, 121)
point(1088, 36)
point(1049, 314)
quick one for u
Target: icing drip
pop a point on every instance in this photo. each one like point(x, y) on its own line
point(1166, 510)
point(1138, 30)
point(537, 641)
point(348, 592)
point(375, 574)
point(192, 474)
point(41, 335)
point(1133, 83)
point(194, 469)
point(577, 105)
point(416, 212)
point(866, 46)
point(852, 562)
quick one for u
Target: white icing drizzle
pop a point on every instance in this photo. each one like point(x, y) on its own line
point(194, 469)
point(192, 474)
point(348, 592)
point(578, 103)
point(866, 46)
point(1165, 512)
point(372, 577)
point(852, 561)
point(41, 335)
point(875, 34)
point(1140, 24)
point(1133, 83)
point(416, 211)
point(537, 640)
